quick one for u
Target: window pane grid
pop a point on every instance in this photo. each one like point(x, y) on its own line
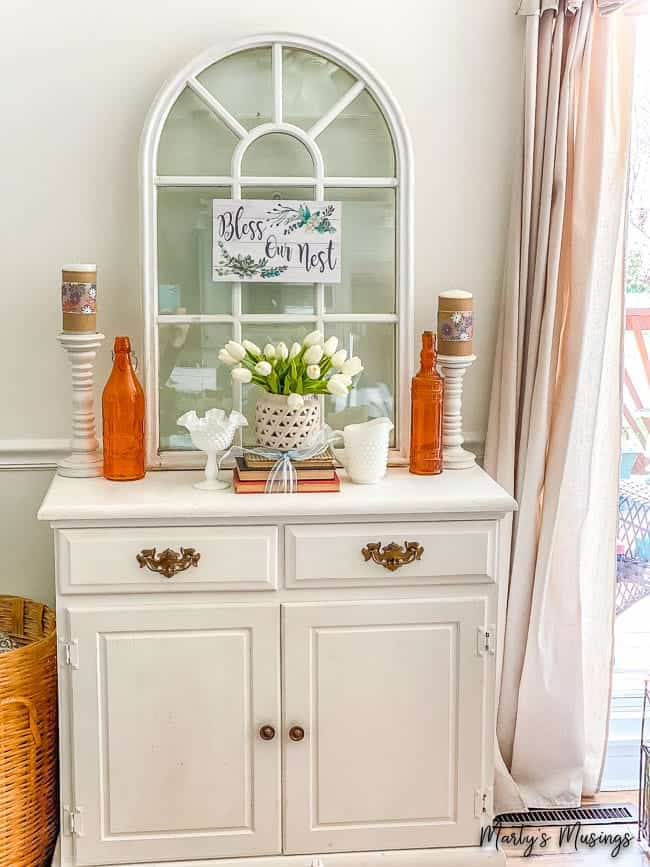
point(319, 181)
point(270, 180)
point(261, 318)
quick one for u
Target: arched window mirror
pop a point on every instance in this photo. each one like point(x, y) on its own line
point(281, 117)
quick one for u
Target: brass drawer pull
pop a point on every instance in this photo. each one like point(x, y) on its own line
point(296, 733)
point(392, 556)
point(168, 562)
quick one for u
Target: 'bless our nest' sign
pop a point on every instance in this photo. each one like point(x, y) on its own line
point(257, 240)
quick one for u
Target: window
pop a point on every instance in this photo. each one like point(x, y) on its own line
point(284, 118)
point(632, 627)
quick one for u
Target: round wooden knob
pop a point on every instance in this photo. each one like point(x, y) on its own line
point(296, 733)
point(267, 733)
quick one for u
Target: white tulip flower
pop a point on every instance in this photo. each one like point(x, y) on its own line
point(236, 350)
point(295, 349)
point(313, 371)
point(339, 358)
point(352, 366)
point(343, 378)
point(313, 355)
point(269, 351)
point(281, 351)
point(336, 387)
point(226, 357)
point(253, 348)
point(263, 368)
point(329, 347)
point(313, 338)
point(295, 401)
point(241, 374)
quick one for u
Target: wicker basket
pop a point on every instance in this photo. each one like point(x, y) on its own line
point(29, 808)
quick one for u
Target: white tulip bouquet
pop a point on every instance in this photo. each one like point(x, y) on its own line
point(314, 366)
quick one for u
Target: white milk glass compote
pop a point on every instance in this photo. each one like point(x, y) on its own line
point(214, 435)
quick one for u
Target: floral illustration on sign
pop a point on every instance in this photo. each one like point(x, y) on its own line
point(246, 266)
point(458, 325)
point(301, 217)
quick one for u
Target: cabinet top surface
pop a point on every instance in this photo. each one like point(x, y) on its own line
point(171, 495)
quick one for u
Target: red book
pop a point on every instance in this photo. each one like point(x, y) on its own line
point(304, 486)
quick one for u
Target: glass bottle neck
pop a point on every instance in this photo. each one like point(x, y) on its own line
point(122, 360)
point(428, 355)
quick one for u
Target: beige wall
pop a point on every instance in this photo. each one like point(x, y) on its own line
point(78, 78)
point(27, 565)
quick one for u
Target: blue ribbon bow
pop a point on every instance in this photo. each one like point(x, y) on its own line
point(282, 478)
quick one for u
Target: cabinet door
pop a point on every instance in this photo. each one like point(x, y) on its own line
point(167, 704)
point(390, 695)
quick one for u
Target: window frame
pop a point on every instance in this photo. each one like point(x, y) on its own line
point(150, 182)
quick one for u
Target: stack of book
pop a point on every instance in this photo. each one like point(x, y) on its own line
point(315, 475)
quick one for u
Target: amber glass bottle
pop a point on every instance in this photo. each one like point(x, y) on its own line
point(426, 412)
point(123, 417)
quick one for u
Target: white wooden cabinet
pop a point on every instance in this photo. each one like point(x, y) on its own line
point(388, 760)
point(284, 700)
point(166, 705)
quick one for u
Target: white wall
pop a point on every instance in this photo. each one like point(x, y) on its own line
point(78, 78)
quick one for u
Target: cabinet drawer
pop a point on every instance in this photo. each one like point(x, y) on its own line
point(106, 560)
point(338, 555)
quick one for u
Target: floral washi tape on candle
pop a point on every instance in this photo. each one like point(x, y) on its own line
point(79, 297)
point(455, 323)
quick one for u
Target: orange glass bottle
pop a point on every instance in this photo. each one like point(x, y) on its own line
point(426, 412)
point(123, 418)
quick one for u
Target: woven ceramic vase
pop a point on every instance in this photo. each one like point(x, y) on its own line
point(278, 427)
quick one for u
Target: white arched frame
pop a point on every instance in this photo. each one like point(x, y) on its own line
point(150, 182)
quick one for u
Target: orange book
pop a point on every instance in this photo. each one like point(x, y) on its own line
point(303, 486)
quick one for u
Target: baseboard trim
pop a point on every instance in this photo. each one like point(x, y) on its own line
point(32, 454)
point(462, 857)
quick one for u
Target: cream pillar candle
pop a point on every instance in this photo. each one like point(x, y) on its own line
point(79, 298)
point(455, 322)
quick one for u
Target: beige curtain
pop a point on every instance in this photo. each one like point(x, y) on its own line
point(554, 426)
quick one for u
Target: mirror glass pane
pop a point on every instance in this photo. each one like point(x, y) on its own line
point(293, 298)
point(185, 252)
point(374, 392)
point(243, 84)
point(311, 86)
point(358, 142)
point(277, 154)
point(279, 192)
point(261, 334)
point(190, 377)
point(368, 252)
point(194, 141)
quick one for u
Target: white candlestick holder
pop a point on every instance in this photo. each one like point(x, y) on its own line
point(84, 460)
point(453, 369)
